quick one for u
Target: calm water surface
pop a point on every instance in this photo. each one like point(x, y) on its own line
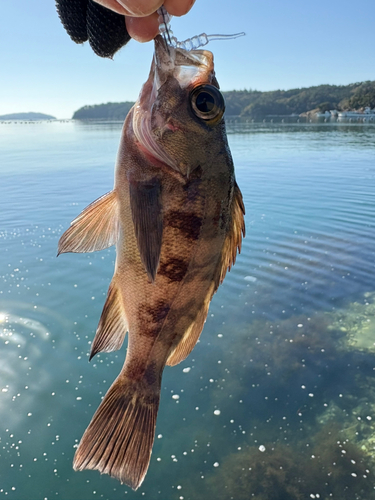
point(277, 400)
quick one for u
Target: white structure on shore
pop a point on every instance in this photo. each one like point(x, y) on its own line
point(367, 115)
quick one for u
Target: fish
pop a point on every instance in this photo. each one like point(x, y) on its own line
point(176, 216)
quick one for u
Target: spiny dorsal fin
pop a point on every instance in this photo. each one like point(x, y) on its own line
point(233, 240)
point(120, 436)
point(94, 229)
point(191, 336)
point(145, 205)
point(113, 323)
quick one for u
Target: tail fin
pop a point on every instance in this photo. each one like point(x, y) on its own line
point(120, 436)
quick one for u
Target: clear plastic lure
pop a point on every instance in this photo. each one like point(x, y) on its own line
point(192, 43)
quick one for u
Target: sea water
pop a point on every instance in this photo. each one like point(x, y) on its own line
point(276, 401)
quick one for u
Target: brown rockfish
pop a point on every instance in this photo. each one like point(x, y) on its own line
point(176, 216)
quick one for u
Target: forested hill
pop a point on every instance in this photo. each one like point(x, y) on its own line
point(109, 111)
point(255, 104)
point(27, 116)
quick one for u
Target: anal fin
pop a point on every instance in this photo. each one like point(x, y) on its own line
point(94, 229)
point(113, 323)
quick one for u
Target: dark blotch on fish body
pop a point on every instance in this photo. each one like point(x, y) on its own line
point(174, 269)
point(189, 224)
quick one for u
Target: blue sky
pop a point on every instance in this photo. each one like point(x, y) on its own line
point(288, 44)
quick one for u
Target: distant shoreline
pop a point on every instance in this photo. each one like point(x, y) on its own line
point(253, 104)
point(30, 116)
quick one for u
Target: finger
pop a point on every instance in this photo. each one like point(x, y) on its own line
point(143, 29)
point(140, 8)
point(178, 7)
point(113, 5)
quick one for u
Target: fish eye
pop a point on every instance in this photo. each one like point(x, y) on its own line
point(207, 103)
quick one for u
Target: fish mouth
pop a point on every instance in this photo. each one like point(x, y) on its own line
point(189, 69)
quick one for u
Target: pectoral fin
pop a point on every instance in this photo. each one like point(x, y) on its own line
point(148, 224)
point(94, 229)
point(113, 323)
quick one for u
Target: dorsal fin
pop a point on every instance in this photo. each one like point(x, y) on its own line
point(94, 229)
point(233, 240)
point(232, 243)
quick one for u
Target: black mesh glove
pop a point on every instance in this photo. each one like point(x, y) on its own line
point(86, 20)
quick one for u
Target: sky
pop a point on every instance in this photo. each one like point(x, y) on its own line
point(288, 44)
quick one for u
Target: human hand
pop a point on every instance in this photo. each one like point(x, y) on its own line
point(109, 24)
point(141, 17)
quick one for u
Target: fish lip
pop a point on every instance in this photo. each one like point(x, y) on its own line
point(189, 68)
point(163, 62)
point(162, 66)
point(162, 50)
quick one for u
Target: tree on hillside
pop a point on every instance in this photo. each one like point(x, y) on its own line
point(109, 111)
point(363, 96)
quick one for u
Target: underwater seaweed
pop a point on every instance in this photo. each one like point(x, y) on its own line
point(292, 386)
point(295, 366)
point(328, 466)
point(274, 366)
